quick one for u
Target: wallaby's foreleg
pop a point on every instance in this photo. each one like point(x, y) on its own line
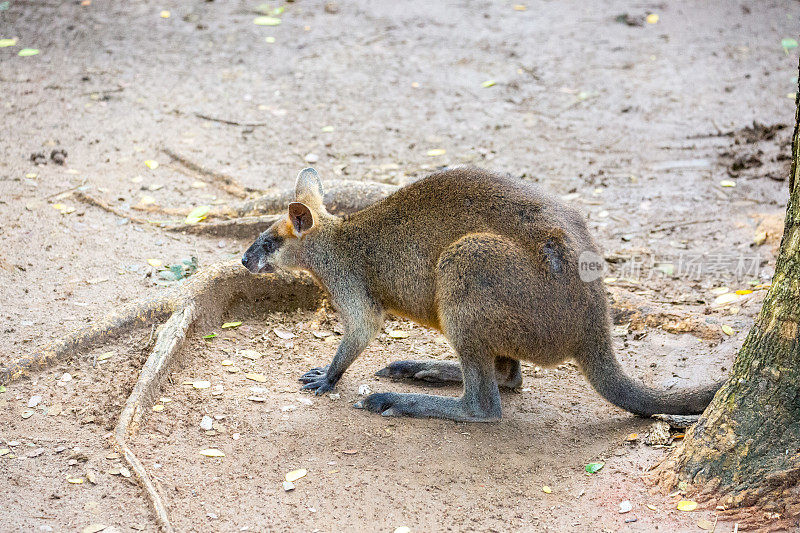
point(479, 403)
point(509, 372)
point(360, 327)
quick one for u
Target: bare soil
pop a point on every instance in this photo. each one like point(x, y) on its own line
point(638, 125)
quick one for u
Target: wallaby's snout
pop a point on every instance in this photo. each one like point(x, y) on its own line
point(258, 258)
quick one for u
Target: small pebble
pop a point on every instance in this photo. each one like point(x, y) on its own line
point(206, 423)
point(364, 390)
point(66, 377)
point(288, 485)
point(34, 401)
point(311, 158)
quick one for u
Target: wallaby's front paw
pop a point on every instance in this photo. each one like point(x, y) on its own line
point(317, 380)
point(315, 374)
point(380, 402)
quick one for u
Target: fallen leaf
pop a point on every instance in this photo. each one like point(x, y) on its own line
point(260, 378)
point(742, 292)
point(327, 129)
point(210, 336)
point(288, 485)
point(437, 151)
point(226, 362)
point(227, 325)
point(632, 437)
point(7, 42)
point(152, 164)
point(266, 21)
point(520, 7)
point(105, 355)
point(34, 401)
point(652, 18)
point(350, 452)
point(124, 472)
point(257, 399)
point(2, 388)
point(155, 262)
point(720, 290)
point(158, 408)
point(651, 507)
point(283, 334)
point(91, 477)
point(269, 39)
point(727, 330)
point(197, 214)
point(294, 475)
point(64, 209)
point(75, 480)
point(593, 468)
point(788, 44)
point(4, 451)
point(164, 14)
point(488, 83)
point(725, 299)
point(26, 414)
point(687, 505)
point(397, 334)
point(201, 384)
point(321, 334)
point(212, 452)
point(250, 354)
point(727, 183)
point(706, 525)
point(547, 490)
point(27, 52)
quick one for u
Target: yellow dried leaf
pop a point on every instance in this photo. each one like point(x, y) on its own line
point(397, 334)
point(727, 183)
point(437, 151)
point(152, 164)
point(155, 262)
point(201, 384)
point(632, 437)
point(227, 325)
point(652, 18)
point(547, 490)
point(158, 408)
point(75, 480)
point(294, 475)
point(742, 292)
point(105, 355)
point(260, 378)
point(212, 452)
point(8, 42)
point(197, 214)
point(687, 505)
point(165, 14)
point(226, 362)
point(726, 299)
point(651, 507)
point(520, 7)
point(727, 330)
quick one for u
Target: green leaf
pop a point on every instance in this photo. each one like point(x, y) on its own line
point(7, 42)
point(227, 325)
point(488, 83)
point(27, 52)
point(593, 468)
point(788, 44)
point(278, 10)
point(197, 214)
point(266, 21)
point(210, 336)
point(2, 388)
point(4, 6)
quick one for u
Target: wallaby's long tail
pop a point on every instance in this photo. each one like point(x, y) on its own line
point(608, 378)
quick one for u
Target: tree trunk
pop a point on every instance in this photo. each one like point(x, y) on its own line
point(745, 449)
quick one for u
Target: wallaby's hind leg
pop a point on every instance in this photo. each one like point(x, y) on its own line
point(479, 403)
point(509, 372)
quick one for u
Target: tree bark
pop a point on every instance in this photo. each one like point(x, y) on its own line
point(745, 449)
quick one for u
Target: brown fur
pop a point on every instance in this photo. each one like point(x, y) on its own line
point(490, 261)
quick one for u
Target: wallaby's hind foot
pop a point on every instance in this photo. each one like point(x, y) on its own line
point(509, 373)
point(427, 406)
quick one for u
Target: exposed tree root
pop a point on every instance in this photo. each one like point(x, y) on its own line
point(641, 313)
point(200, 300)
point(225, 182)
point(235, 228)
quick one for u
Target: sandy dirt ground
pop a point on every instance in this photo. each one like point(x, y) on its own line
point(644, 126)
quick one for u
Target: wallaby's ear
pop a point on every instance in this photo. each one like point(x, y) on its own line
point(308, 187)
point(301, 218)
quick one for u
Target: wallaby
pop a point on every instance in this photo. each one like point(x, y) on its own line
point(490, 261)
